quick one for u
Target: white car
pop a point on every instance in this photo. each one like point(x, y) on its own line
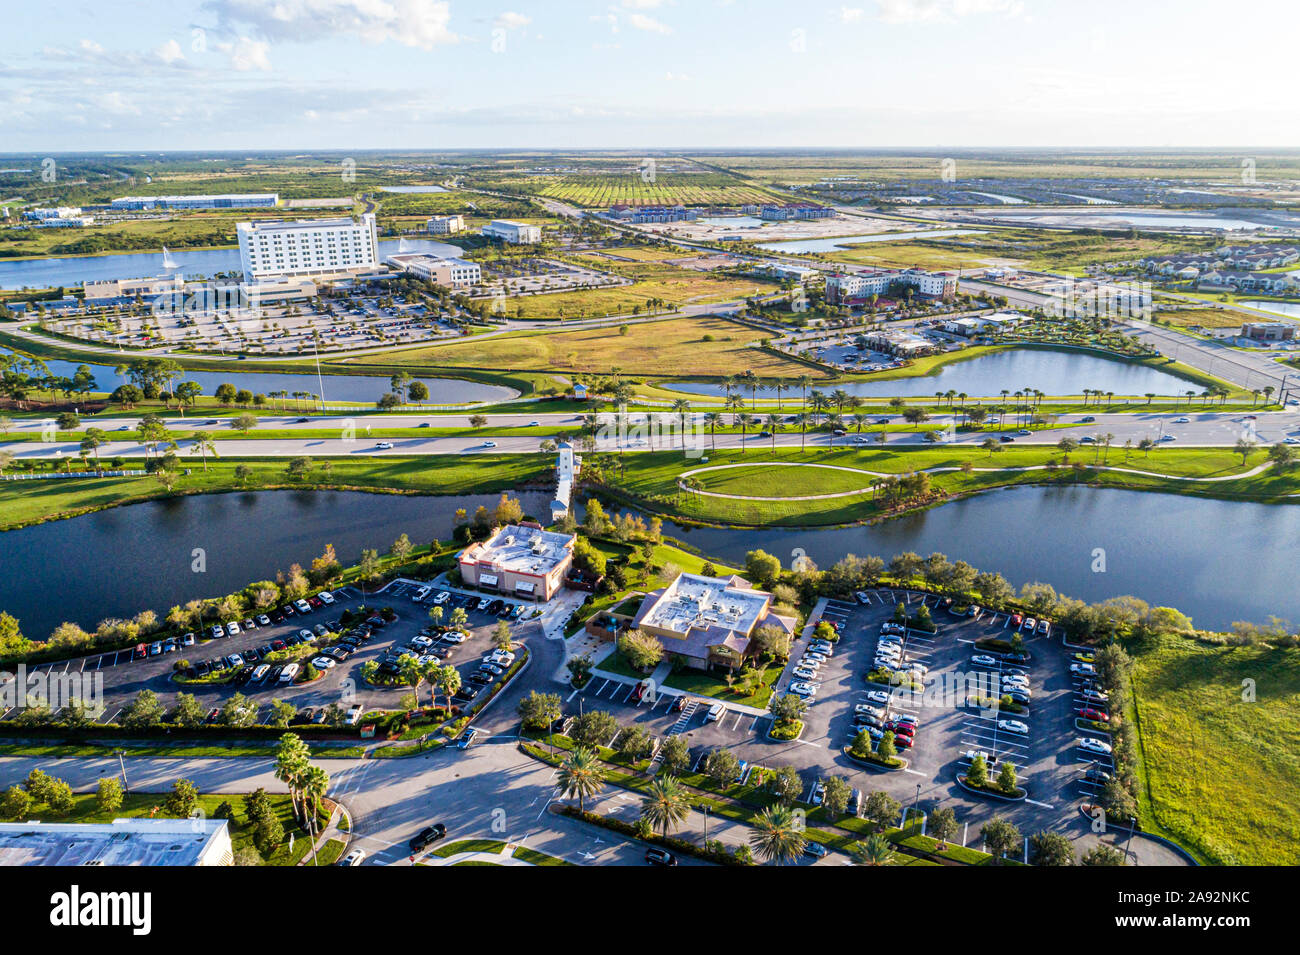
point(483, 604)
point(383, 445)
point(1083, 668)
point(422, 641)
point(976, 610)
point(890, 638)
point(861, 598)
point(920, 669)
point(903, 718)
point(1029, 624)
point(804, 673)
point(324, 663)
point(218, 631)
point(1094, 745)
point(1183, 420)
point(715, 713)
point(822, 647)
point(442, 597)
point(353, 858)
point(327, 598)
point(232, 628)
point(983, 660)
point(455, 636)
point(1095, 696)
point(877, 696)
point(803, 689)
point(816, 658)
point(869, 710)
point(302, 606)
point(500, 657)
point(263, 620)
point(306, 634)
point(1014, 726)
point(971, 754)
point(489, 444)
point(235, 660)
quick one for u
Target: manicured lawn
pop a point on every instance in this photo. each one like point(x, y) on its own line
point(706, 684)
point(767, 481)
point(671, 347)
point(1221, 772)
point(23, 502)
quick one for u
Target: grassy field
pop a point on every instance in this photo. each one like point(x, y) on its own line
point(26, 502)
point(767, 481)
point(1221, 773)
point(650, 279)
point(652, 478)
point(680, 346)
point(1206, 317)
point(602, 191)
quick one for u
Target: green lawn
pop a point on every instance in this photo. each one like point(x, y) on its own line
point(1220, 772)
point(700, 683)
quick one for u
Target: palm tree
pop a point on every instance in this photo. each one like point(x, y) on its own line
point(682, 407)
point(776, 836)
point(874, 850)
point(773, 424)
point(290, 764)
point(819, 403)
point(804, 381)
point(412, 673)
point(834, 422)
point(314, 785)
point(580, 776)
point(713, 419)
point(447, 679)
point(779, 386)
point(803, 430)
point(745, 420)
point(666, 805)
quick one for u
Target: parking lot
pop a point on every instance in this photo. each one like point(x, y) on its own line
point(1049, 762)
point(124, 675)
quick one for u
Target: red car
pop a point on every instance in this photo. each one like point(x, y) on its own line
point(901, 729)
point(1016, 619)
point(141, 651)
point(316, 602)
point(1097, 716)
point(903, 742)
point(637, 693)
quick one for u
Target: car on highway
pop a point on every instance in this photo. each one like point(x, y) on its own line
point(1183, 420)
point(1093, 745)
point(488, 444)
point(383, 445)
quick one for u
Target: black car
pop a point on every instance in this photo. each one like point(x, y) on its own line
point(389, 669)
point(277, 617)
point(242, 676)
point(465, 692)
point(202, 669)
point(264, 651)
point(251, 655)
point(1005, 438)
point(427, 837)
point(352, 642)
point(287, 610)
point(274, 675)
point(660, 857)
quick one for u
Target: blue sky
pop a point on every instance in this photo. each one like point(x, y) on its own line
point(426, 74)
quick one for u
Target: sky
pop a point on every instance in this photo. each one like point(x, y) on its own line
point(639, 74)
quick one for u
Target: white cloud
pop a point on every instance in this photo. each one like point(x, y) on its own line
point(640, 21)
point(511, 20)
point(944, 11)
point(90, 46)
point(419, 23)
point(851, 14)
point(170, 52)
point(248, 54)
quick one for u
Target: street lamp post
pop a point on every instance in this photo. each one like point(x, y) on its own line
point(122, 763)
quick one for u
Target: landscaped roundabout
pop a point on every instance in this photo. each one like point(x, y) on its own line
point(778, 481)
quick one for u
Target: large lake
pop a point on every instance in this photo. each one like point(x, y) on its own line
point(70, 271)
point(337, 388)
point(1051, 372)
point(1218, 561)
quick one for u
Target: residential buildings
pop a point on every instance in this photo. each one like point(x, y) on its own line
point(307, 247)
point(709, 621)
point(230, 200)
point(513, 233)
point(795, 210)
point(449, 273)
point(641, 214)
point(520, 560)
point(855, 288)
point(1272, 282)
point(143, 842)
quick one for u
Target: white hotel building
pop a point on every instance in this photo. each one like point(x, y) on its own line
point(513, 233)
point(307, 247)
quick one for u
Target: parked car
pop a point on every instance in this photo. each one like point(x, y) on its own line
point(861, 597)
point(983, 660)
point(1092, 745)
point(1014, 726)
point(714, 713)
point(877, 696)
point(803, 689)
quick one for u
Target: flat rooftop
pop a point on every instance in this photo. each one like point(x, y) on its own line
point(692, 601)
point(527, 550)
point(293, 224)
point(152, 842)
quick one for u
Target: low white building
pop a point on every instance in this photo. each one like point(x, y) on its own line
point(518, 560)
point(151, 842)
point(449, 273)
point(445, 225)
point(513, 233)
point(567, 467)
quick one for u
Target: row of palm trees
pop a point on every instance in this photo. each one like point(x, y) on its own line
point(307, 784)
point(777, 831)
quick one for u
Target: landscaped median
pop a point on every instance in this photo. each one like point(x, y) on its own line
point(742, 803)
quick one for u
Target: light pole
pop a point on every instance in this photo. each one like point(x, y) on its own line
point(122, 763)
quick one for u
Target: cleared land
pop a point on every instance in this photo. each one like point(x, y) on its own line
point(680, 346)
point(1221, 771)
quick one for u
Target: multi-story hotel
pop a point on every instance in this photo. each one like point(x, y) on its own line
point(307, 247)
